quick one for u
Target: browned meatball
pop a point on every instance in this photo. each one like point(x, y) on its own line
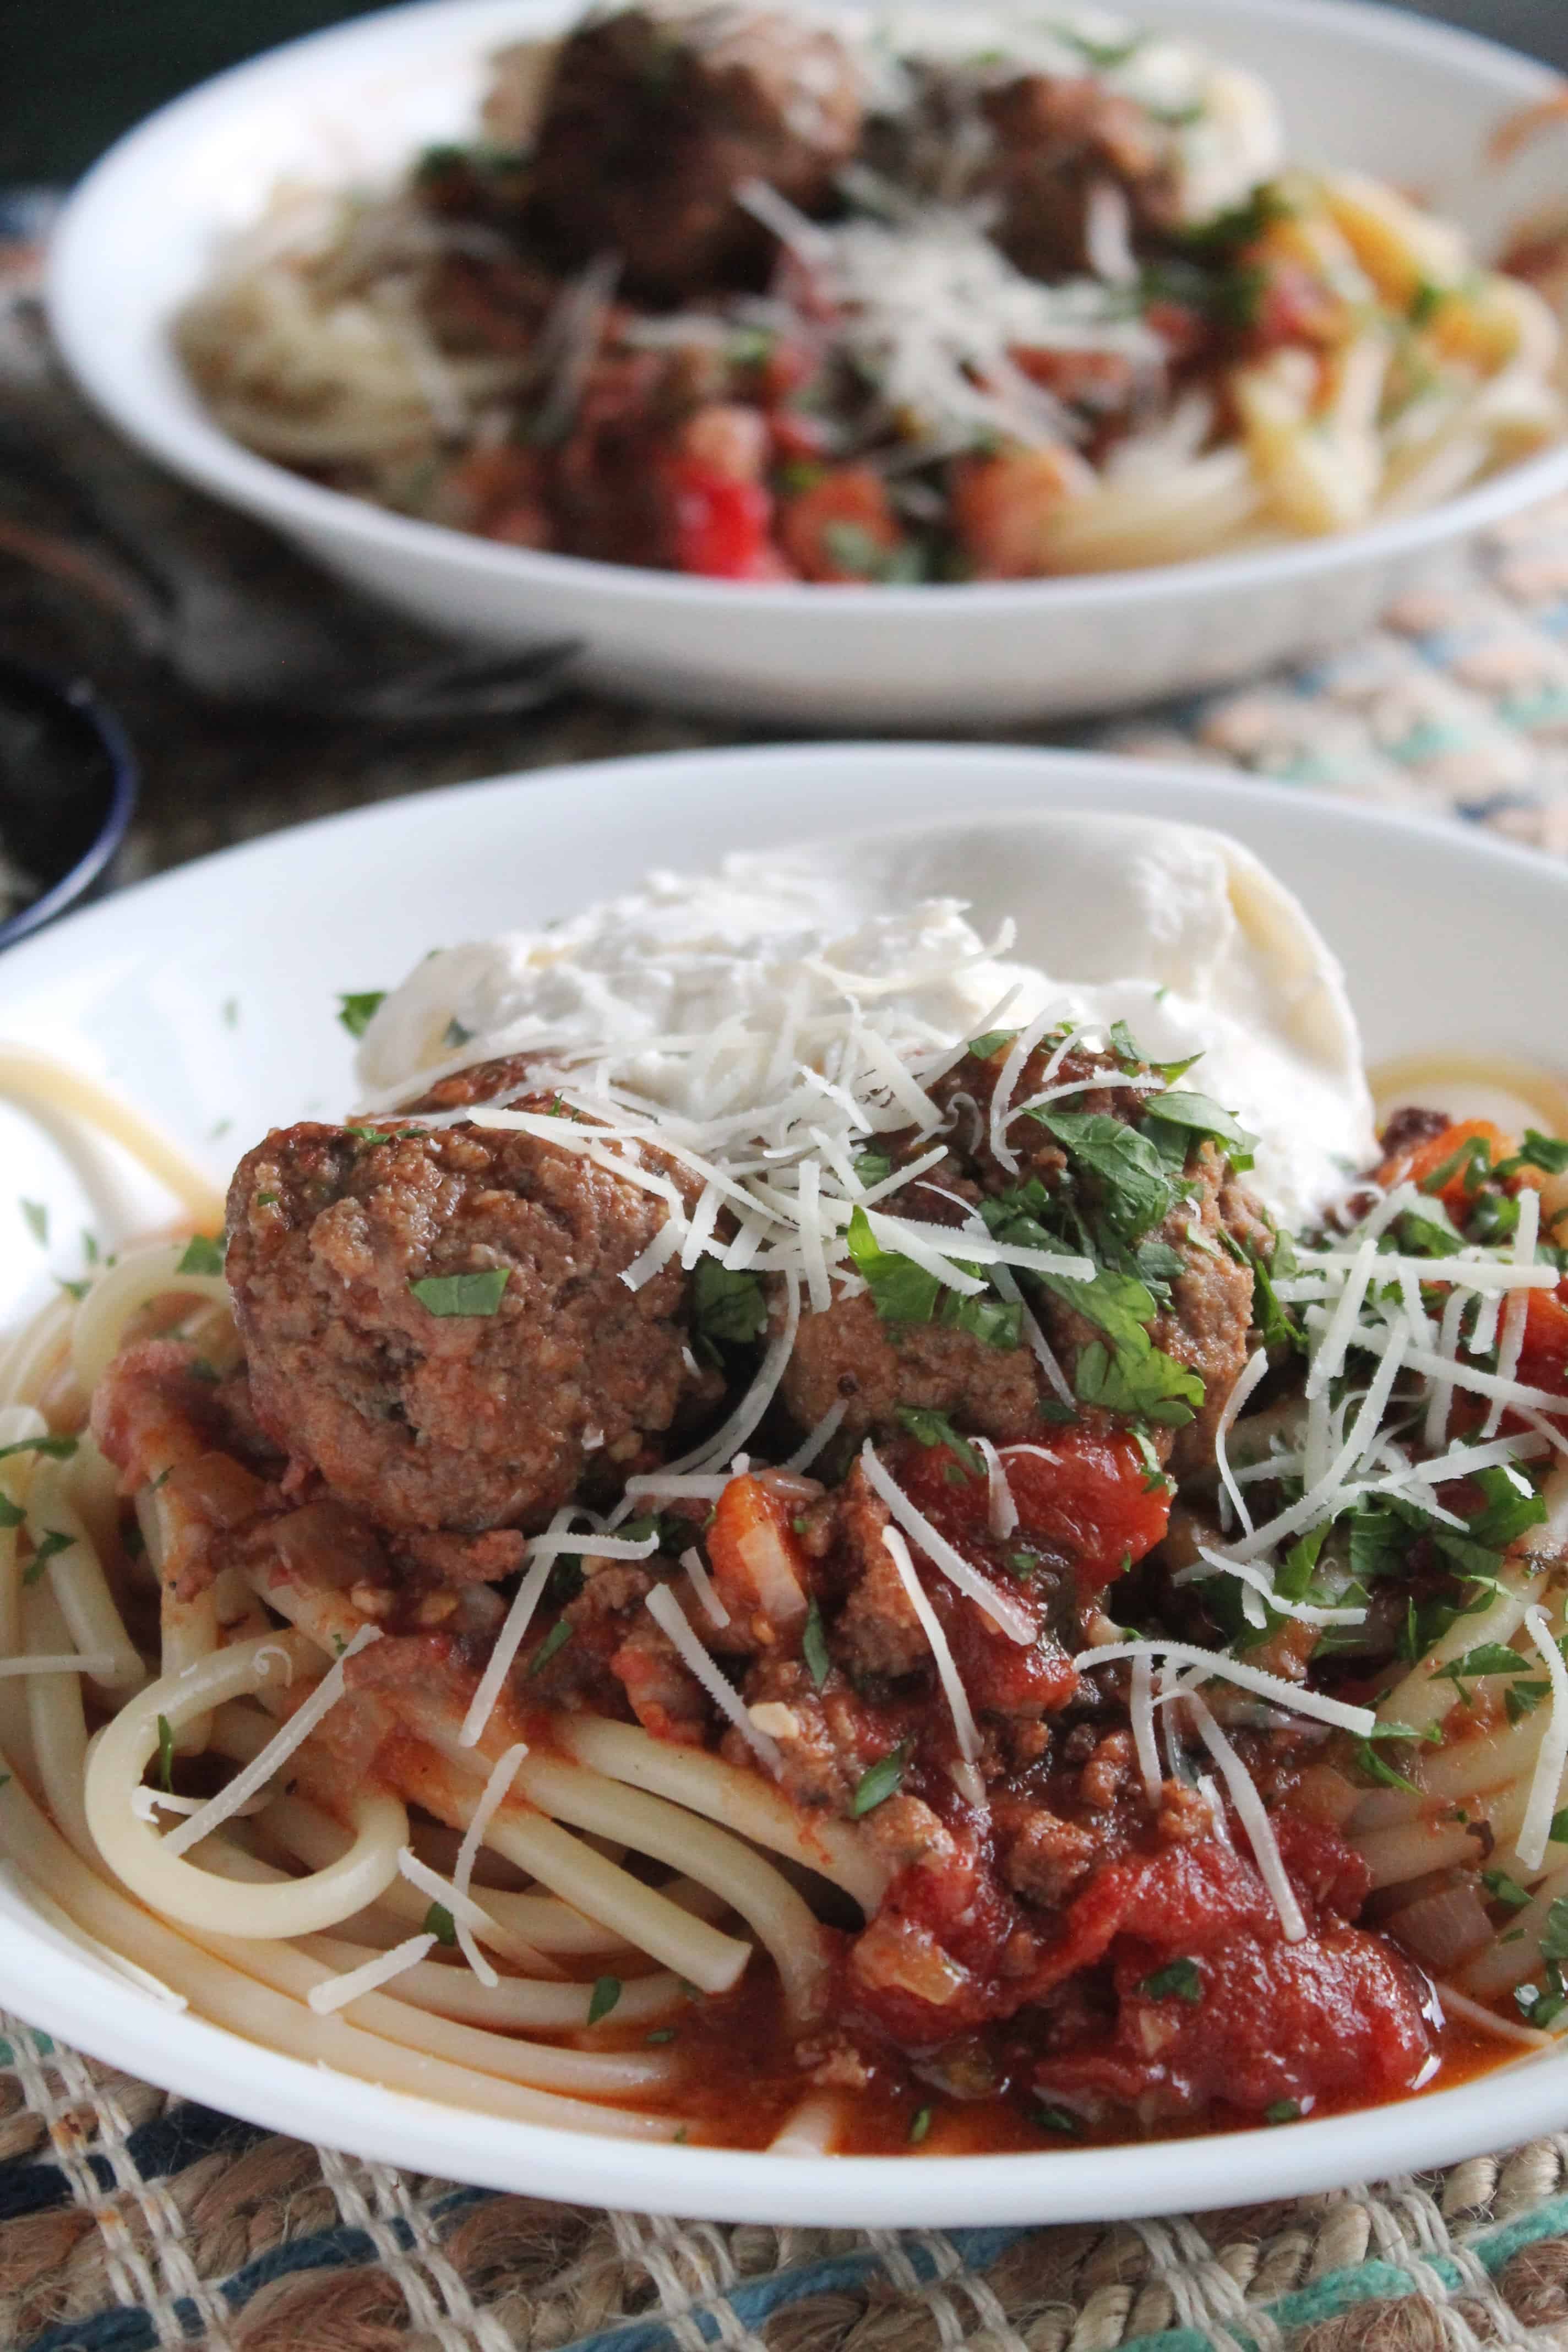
point(849, 1353)
point(432, 1410)
point(1054, 138)
point(653, 121)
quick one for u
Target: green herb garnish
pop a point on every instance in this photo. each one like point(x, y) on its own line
point(883, 1779)
point(1178, 1981)
point(607, 1992)
point(357, 1011)
point(554, 1642)
point(165, 1755)
point(439, 1923)
point(202, 1255)
point(814, 1647)
point(462, 1294)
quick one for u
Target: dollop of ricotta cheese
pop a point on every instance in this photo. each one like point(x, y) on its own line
point(701, 994)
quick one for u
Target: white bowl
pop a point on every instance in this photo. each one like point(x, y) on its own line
point(1412, 101)
point(209, 995)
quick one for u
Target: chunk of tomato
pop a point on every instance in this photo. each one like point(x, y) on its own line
point(720, 525)
point(1089, 1495)
point(1423, 1159)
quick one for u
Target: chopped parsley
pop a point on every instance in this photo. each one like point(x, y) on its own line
point(984, 1047)
point(356, 1012)
point(1376, 1767)
point(1558, 1834)
point(462, 1294)
point(11, 1514)
point(901, 1291)
point(814, 1647)
point(1134, 1186)
point(1283, 2111)
point(936, 1429)
point(1178, 1979)
point(37, 1217)
point(165, 1755)
point(1505, 1890)
point(439, 1923)
point(919, 2126)
point(1470, 1164)
point(51, 1542)
point(728, 1305)
point(1555, 1936)
point(58, 1449)
point(1175, 1119)
point(884, 1779)
point(554, 1642)
point(1060, 2119)
point(870, 1168)
point(605, 1994)
point(202, 1255)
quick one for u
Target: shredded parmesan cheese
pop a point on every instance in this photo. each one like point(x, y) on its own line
point(1546, 1781)
point(965, 1729)
point(1001, 1510)
point(702, 1585)
point(336, 1992)
point(1009, 1615)
point(274, 1756)
point(1289, 1695)
point(1252, 1813)
point(667, 1613)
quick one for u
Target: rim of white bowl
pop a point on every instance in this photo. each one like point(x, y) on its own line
point(196, 447)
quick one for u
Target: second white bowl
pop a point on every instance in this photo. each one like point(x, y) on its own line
point(1410, 101)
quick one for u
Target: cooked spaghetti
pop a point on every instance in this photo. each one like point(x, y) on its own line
point(825, 1574)
point(883, 296)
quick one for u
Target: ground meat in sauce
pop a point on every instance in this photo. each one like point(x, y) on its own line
point(652, 120)
point(453, 1423)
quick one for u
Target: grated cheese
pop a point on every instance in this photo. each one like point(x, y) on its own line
point(821, 1435)
point(275, 1755)
point(1250, 1376)
point(508, 1641)
point(702, 1585)
point(1292, 1696)
point(965, 1729)
point(1535, 1831)
point(503, 1773)
point(1001, 1510)
point(1526, 1234)
point(667, 1613)
point(336, 1992)
point(1141, 1714)
point(1009, 1615)
point(1253, 1815)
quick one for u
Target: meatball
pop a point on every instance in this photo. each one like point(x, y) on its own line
point(849, 1354)
point(445, 1409)
point(1056, 139)
point(653, 121)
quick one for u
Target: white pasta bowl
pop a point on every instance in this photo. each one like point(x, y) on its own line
point(1411, 101)
point(209, 998)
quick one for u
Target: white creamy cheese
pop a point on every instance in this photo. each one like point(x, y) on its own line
point(702, 992)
